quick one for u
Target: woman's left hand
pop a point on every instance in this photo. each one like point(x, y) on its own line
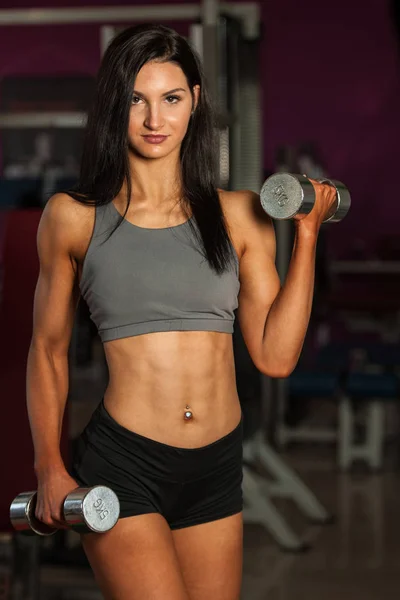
point(325, 198)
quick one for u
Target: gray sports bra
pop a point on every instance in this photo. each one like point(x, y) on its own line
point(146, 280)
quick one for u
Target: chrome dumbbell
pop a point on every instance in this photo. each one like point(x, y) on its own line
point(85, 510)
point(284, 195)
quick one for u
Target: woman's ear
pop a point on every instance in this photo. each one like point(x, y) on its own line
point(196, 96)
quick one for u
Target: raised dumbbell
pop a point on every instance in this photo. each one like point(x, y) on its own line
point(284, 195)
point(85, 510)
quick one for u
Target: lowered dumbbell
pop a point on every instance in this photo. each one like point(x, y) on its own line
point(85, 510)
point(284, 195)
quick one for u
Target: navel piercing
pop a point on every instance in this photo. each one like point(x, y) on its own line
point(188, 413)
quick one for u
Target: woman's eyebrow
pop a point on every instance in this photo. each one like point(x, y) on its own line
point(136, 93)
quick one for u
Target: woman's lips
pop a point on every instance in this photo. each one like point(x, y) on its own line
point(155, 139)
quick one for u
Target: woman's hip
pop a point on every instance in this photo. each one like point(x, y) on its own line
point(120, 450)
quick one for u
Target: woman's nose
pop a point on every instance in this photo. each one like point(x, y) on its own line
point(154, 120)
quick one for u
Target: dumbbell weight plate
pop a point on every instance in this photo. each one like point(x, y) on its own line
point(22, 515)
point(283, 195)
point(94, 509)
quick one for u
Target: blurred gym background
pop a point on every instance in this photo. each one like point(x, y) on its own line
point(307, 87)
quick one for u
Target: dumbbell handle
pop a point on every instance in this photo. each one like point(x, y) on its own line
point(340, 209)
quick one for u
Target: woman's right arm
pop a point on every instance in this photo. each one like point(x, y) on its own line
point(55, 302)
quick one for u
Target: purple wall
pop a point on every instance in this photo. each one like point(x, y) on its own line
point(329, 73)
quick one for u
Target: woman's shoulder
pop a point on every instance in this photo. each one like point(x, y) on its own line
point(242, 206)
point(244, 214)
point(238, 200)
point(68, 220)
point(62, 208)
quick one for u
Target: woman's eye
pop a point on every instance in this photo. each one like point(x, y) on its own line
point(172, 99)
point(169, 99)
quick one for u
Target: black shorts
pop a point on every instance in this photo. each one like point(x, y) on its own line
point(187, 486)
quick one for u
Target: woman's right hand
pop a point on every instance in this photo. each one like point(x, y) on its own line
point(53, 488)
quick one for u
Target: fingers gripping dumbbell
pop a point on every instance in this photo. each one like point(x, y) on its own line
point(85, 510)
point(285, 195)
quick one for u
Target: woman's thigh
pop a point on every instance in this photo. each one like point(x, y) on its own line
point(136, 560)
point(211, 557)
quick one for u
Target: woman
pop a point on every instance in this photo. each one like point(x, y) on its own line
point(156, 250)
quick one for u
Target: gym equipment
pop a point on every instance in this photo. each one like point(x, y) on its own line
point(85, 510)
point(282, 482)
point(22, 515)
point(373, 392)
point(284, 195)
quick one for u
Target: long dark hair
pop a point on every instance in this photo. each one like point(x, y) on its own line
point(105, 165)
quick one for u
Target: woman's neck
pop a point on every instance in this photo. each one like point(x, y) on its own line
point(155, 181)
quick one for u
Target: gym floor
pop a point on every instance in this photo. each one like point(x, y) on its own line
point(358, 556)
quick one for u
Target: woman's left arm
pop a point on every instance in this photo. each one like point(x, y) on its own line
point(273, 318)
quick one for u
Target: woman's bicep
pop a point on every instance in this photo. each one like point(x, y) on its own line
point(259, 280)
point(57, 292)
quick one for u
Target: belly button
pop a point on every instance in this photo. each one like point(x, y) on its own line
point(188, 414)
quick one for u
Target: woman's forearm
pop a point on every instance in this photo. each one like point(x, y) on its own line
point(47, 390)
point(287, 320)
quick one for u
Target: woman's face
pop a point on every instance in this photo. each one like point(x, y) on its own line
point(160, 111)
